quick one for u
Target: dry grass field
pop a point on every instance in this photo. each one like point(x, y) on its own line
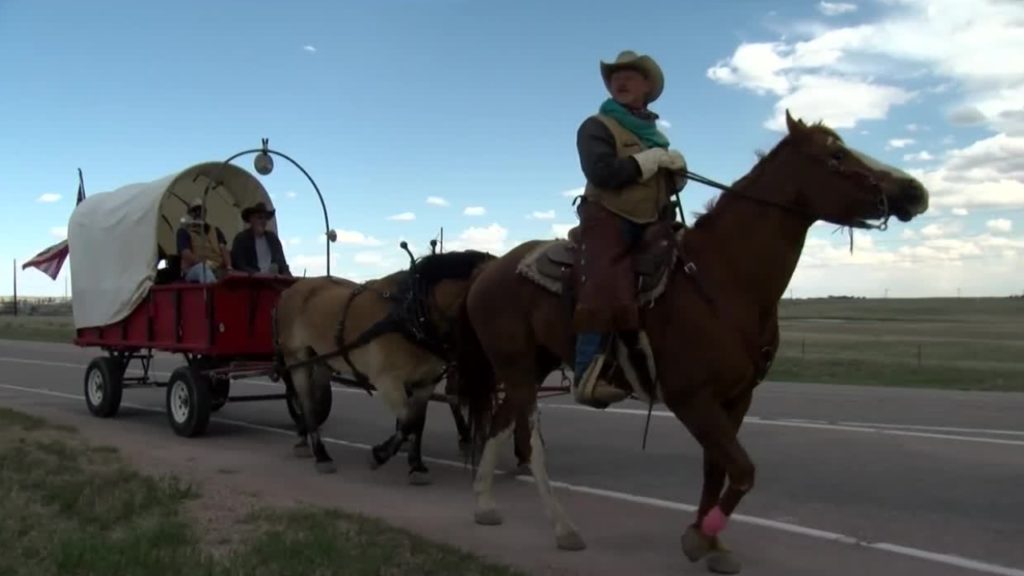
point(956, 343)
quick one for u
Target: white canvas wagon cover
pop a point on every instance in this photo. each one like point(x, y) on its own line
point(115, 237)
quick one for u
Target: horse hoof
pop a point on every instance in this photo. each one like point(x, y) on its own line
point(695, 545)
point(570, 541)
point(522, 470)
point(723, 562)
point(419, 478)
point(326, 467)
point(371, 459)
point(302, 450)
point(489, 517)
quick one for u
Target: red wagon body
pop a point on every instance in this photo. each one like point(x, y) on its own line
point(228, 319)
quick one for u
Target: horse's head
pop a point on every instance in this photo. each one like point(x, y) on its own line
point(840, 185)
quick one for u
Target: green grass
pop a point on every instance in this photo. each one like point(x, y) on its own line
point(70, 508)
point(970, 344)
point(37, 328)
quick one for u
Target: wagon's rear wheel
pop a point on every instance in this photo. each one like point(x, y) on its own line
point(103, 386)
point(188, 402)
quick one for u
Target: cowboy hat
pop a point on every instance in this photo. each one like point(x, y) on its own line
point(257, 208)
point(628, 59)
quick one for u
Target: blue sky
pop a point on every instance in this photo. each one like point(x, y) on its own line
point(393, 105)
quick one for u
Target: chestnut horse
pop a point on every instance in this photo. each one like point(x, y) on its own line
point(711, 320)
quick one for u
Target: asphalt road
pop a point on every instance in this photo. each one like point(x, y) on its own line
point(850, 480)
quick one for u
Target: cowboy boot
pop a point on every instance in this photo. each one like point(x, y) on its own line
point(589, 385)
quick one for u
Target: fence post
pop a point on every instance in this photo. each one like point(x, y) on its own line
point(15, 286)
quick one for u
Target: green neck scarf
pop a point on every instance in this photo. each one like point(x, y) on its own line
point(646, 130)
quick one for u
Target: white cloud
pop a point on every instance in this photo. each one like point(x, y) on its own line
point(294, 241)
point(972, 47)
point(404, 216)
point(836, 8)
point(48, 198)
point(474, 211)
point(545, 215)
point(922, 156)
point(60, 232)
point(979, 265)
point(491, 239)
point(989, 172)
point(663, 124)
point(356, 238)
point(573, 192)
point(839, 102)
point(901, 142)
point(959, 211)
point(561, 230)
point(291, 194)
point(436, 201)
point(370, 258)
point(999, 225)
point(309, 48)
point(313, 265)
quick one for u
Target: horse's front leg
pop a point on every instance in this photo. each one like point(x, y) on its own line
point(567, 537)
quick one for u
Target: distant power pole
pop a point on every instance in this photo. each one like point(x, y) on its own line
point(15, 286)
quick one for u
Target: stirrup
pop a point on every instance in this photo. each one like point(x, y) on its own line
point(591, 390)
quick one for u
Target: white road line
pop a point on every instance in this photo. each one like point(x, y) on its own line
point(937, 557)
point(863, 428)
point(820, 425)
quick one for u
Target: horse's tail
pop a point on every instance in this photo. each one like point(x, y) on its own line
point(476, 383)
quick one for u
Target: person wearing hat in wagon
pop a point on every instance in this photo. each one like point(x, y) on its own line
point(631, 176)
point(202, 248)
point(257, 249)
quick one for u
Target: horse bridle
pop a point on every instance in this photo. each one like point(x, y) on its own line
point(835, 166)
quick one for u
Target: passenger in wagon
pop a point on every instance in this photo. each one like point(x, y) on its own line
point(203, 248)
point(257, 249)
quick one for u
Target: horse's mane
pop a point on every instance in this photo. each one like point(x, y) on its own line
point(708, 215)
point(434, 268)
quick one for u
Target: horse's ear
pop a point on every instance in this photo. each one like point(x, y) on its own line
point(792, 125)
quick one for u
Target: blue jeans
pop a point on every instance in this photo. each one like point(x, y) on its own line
point(201, 273)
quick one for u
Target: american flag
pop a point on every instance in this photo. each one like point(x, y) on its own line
point(51, 260)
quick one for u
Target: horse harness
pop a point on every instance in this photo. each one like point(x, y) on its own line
point(407, 317)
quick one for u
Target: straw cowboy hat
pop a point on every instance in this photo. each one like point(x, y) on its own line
point(258, 208)
point(627, 59)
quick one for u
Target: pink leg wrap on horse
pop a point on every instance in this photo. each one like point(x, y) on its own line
point(714, 522)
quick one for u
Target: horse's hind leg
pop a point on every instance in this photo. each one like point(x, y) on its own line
point(566, 535)
point(302, 380)
point(419, 474)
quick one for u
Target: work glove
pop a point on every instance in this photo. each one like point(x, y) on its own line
point(674, 161)
point(650, 160)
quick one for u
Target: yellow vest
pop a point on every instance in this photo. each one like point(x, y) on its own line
point(641, 201)
point(205, 247)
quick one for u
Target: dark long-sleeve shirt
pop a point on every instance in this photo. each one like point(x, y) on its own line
point(598, 159)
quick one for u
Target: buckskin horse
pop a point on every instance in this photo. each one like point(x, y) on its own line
point(710, 297)
point(394, 334)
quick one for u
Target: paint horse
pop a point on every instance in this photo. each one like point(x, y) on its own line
point(710, 294)
point(393, 334)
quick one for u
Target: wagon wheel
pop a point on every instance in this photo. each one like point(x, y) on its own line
point(188, 402)
point(103, 386)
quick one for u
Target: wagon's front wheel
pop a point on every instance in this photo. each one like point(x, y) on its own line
point(103, 386)
point(188, 402)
